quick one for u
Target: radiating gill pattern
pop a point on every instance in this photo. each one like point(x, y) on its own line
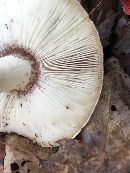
point(67, 60)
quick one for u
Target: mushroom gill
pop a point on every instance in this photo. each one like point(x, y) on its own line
point(51, 69)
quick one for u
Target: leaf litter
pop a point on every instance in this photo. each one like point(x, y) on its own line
point(103, 146)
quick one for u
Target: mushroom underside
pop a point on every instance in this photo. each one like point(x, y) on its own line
point(52, 70)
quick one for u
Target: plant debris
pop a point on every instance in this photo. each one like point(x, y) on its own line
point(103, 146)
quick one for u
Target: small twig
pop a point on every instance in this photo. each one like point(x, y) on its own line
point(96, 7)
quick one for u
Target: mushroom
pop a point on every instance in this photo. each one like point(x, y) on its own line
point(51, 69)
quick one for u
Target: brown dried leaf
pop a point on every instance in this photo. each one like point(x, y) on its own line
point(108, 132)
point(122, 22)
point(22, 155)
point(105, 28)
point(103, 15)
point(122, 45)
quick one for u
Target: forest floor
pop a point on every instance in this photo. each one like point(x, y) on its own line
point(103, 146)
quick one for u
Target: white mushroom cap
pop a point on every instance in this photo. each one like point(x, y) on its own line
point(51, 69)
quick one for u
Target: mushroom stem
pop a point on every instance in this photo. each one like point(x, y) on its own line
point(15, 73)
